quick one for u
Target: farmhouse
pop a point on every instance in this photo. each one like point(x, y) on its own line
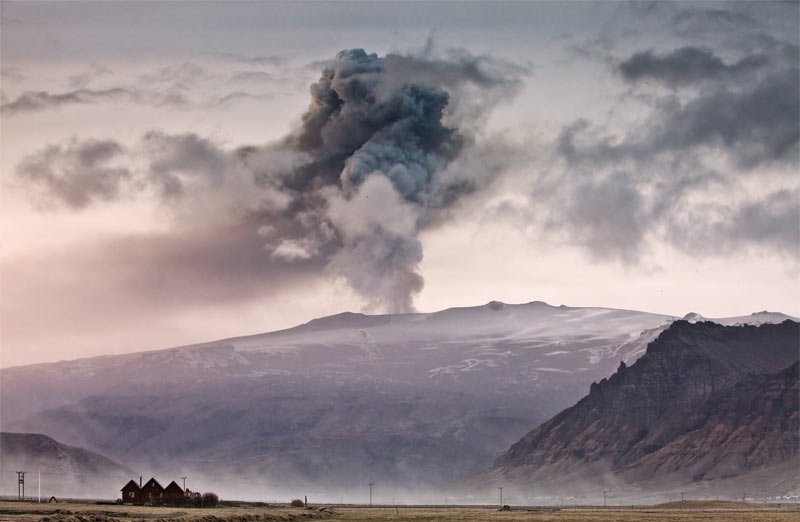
point(132, 493)
point(173, 494)
point(153, 493)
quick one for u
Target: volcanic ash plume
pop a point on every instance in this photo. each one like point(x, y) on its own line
point(387, 145)
point(373, 147)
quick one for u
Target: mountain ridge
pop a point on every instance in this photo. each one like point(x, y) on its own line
point(421, 399)
point(674, 416)
point(366, 320)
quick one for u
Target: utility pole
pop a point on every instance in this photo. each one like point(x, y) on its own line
point(40, 486)
point(370, 493)
point(21, 485)
point(604, 498)
point(501, 496)
point(184, 483)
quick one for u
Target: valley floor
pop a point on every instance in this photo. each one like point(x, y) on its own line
point(689, 511)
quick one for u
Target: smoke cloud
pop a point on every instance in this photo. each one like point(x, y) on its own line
point(378, 135)
point(371, 164)
point(78, 173)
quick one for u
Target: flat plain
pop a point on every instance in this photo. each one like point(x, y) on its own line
point(688, 511)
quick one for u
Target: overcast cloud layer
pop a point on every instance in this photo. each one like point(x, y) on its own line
point(338, 168)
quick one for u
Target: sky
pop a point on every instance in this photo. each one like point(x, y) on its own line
point(175, 172)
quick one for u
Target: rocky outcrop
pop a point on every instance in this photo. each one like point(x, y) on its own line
point(705, 402)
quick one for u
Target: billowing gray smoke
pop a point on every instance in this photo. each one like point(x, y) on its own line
point(375, 146)
point(386, 147)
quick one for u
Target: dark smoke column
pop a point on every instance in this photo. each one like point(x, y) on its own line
point(374, 143)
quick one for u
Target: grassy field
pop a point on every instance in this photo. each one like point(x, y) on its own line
point(688, 511)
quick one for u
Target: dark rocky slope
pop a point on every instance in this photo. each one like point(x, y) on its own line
point(706, 402)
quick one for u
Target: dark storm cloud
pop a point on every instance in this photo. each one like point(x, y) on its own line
point(350, 189)
point(677, 174)
point(755, 125)
point(79, 173)
point(686, 66)
point(752, 124)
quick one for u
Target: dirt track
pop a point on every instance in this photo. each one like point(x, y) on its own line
point(696, 511)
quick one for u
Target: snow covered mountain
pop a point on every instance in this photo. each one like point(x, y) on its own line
point(409, 399)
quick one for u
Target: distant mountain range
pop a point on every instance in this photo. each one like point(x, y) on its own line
point(63, 470)
point(406, 400)
point(708, 409)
